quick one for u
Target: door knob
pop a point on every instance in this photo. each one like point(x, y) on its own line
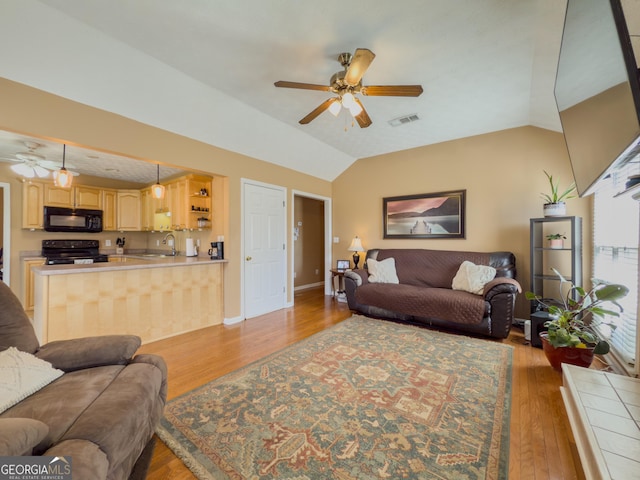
point(248, 259)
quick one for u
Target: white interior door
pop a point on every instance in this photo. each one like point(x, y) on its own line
point(264, 249)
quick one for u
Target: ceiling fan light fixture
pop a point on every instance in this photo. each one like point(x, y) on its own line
point(335, 107)
point(24, 170)
point(63, 178)
point(41, 171)
point(348, 100)
point(157, 191)
point(355, 109)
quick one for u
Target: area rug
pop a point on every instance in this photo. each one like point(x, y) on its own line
point(365, 399)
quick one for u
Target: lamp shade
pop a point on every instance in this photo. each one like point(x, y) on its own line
point(356, 245)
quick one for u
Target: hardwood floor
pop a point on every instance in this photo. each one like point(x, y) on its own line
point(541, 444)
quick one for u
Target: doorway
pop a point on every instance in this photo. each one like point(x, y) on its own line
point(322, 254)
point(264, 248)
point(5, 234)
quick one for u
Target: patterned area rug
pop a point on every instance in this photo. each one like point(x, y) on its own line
point(365, 399)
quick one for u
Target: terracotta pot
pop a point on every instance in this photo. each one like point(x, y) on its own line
point(582, 357)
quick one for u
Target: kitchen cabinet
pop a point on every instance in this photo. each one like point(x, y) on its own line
point(109, 208)
point(32, 205)
point(199, 204)
point(28, 285)
point(80, 196)
point(128, 207)
point(147, 209)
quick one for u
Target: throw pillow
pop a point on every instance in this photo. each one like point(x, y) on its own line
point(21, 375)
point(472, 278)
point(382, 271)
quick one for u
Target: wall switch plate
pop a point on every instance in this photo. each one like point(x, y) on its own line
point(107, 243)
point(336, 239)
point(157, 243)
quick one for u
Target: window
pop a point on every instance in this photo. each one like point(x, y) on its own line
point(616, 225)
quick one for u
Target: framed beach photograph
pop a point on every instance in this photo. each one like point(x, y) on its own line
point(426, 215)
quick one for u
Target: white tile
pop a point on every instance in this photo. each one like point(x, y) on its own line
point(614, 423)
point(622, 468)
point(616, 443)
point(605, 404)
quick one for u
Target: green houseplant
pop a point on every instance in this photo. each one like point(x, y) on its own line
point(571, 336)
point(555, 201)
point(556, 240)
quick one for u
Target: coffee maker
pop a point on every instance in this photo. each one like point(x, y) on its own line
point(217, 251)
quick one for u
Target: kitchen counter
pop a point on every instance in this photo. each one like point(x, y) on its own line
point(125, 262)
point(154, 297)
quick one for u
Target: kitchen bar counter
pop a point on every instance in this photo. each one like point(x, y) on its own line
point(153, 297)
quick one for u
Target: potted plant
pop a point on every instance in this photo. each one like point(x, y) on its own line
point(571, 336)
point(556, 240)
point(555, 205)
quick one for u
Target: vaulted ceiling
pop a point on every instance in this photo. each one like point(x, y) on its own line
point(206, 69)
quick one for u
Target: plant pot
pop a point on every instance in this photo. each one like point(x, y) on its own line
point(556, 243)
point(581, 357)
point(555, 209)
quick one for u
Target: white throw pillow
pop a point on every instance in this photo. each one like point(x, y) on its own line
point(21, 375)
point(383, 271)
point(472, 278)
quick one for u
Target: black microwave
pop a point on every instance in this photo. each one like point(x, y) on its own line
point(61, 219)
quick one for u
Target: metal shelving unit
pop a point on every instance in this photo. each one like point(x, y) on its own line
point(567, 260)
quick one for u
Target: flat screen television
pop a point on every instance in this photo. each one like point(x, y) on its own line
point(597, 91)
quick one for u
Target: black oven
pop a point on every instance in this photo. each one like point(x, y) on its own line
point(61, 219)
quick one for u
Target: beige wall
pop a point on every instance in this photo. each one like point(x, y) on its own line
point(502, 173)
point(33, 112)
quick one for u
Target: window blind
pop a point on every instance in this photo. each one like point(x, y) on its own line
point(616, 226)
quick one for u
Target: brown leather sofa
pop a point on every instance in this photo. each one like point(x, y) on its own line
point(102, 411)
point(424, 293)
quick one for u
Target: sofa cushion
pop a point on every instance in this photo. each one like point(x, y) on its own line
point(18, 436)
point(15, 327)
point(21, 375)
point(382, 271)
point(472, 278)
point(442, 303)
point(430, 268)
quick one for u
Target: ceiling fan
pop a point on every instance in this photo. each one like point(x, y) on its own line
point(33, 164)
point(347, 83)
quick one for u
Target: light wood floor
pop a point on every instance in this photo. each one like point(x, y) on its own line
point(541, 444)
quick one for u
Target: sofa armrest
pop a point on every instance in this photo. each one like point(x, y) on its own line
point(501, 285)
point(88, 462)
point(19, 436)
point(79, 353)
point(157, 361)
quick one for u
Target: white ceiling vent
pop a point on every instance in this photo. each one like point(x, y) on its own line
point(403, 120)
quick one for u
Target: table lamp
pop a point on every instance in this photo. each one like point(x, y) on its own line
point(356, 246)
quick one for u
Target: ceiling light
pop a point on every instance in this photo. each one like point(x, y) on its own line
point(41, 171)
point(63, 178)
point(335, 107)
point(348, 100)
point(355, 109)
point(157, 191)
point(24, 170)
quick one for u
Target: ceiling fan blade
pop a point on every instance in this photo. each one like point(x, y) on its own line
point(363, 117)
point(360, 62)
point(392, 90)
point(304, 86)
point(319, 109)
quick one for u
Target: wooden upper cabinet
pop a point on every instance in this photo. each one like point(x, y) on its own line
point(88, 197)
point(58, 196)
point(32, 205)
point(109, 207)
point(129, 210)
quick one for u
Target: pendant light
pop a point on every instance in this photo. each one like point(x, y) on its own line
point(157, 191)
point(63, 178)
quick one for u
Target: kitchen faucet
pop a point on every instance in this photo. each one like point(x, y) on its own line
point(172, 243)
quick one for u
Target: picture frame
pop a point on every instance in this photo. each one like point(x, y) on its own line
point(426, 215)
point(343, 264)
